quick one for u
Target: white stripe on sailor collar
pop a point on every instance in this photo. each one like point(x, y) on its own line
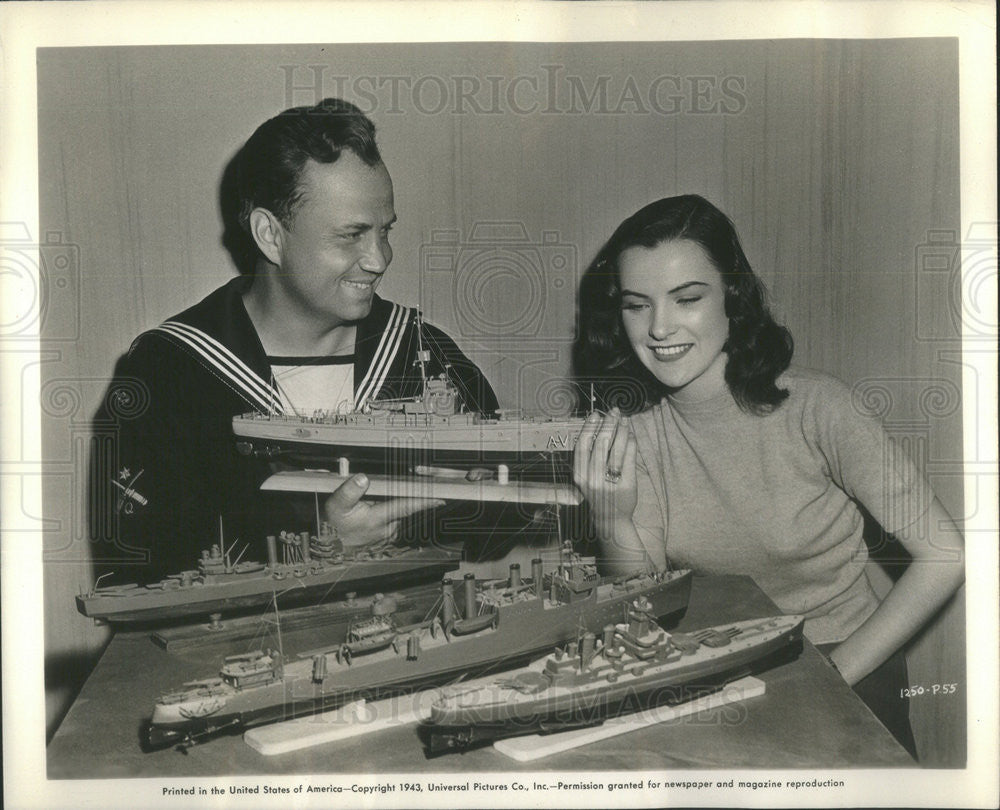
point(386, 352)
point(234, 371)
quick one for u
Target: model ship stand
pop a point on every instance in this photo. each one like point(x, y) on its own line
point(362, 718)
point(538, 746)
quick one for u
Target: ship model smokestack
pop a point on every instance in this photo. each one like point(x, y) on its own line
point(536, 575)
point(470, 596)
point(272, 552)
point(515, 576)
point(304, 545)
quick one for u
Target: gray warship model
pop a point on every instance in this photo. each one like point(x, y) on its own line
point(502, 624)
point(629, 667)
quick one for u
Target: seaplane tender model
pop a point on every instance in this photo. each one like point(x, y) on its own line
point(394, 435)
point(390, 436)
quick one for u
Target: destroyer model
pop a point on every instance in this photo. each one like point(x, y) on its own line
point(631, 666)
point(310, 567)
point(503, 624)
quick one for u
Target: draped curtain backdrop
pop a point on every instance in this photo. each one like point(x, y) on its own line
point(512, 163)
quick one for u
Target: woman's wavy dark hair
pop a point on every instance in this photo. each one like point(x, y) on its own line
point(758, 348)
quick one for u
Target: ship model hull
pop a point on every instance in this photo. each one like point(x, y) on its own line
point(534, 449)
point(525, 623)
point(179, 597)
point(559, 692)
point(394, 435)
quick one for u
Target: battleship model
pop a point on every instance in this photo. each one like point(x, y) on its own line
point(631, 666)
point(310, 567)
point(502, 624)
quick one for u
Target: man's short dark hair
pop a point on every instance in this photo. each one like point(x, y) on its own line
point(269, 166)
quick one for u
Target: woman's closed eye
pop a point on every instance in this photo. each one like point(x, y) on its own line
point(634, 306)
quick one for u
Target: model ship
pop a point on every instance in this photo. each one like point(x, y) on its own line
point(417, 431)
point(629, 667)
point(427, 429)
point(309, 567)
point(502, 624)
point(335, 618)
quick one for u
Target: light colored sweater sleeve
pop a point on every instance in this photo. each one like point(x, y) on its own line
point(870, 465)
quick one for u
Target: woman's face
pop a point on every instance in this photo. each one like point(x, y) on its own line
point(674, 313)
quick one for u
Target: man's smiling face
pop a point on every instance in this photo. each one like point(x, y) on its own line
point(336, 246)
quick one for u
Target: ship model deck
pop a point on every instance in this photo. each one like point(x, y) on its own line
point(310, 568)
point(388, 440)
point(629, 667)
point(395, 435)
point(503, 624)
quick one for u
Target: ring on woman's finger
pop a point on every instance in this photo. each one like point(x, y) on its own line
point(612, 476)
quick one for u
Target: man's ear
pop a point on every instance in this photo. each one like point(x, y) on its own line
point(268, 233)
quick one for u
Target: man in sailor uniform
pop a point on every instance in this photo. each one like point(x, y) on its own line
point(301, 330)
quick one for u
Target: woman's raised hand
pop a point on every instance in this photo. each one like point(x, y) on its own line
point(604, 470)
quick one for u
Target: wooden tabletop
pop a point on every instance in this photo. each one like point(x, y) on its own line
point(808, 718)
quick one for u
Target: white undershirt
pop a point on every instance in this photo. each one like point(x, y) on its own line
point(310, 385)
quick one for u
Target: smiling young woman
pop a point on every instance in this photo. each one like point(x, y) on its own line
point(674, 315)
point(731, 460)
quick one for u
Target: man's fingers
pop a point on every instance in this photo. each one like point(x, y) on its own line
point(373, 544)
point(398, 508)
point(347, 495)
